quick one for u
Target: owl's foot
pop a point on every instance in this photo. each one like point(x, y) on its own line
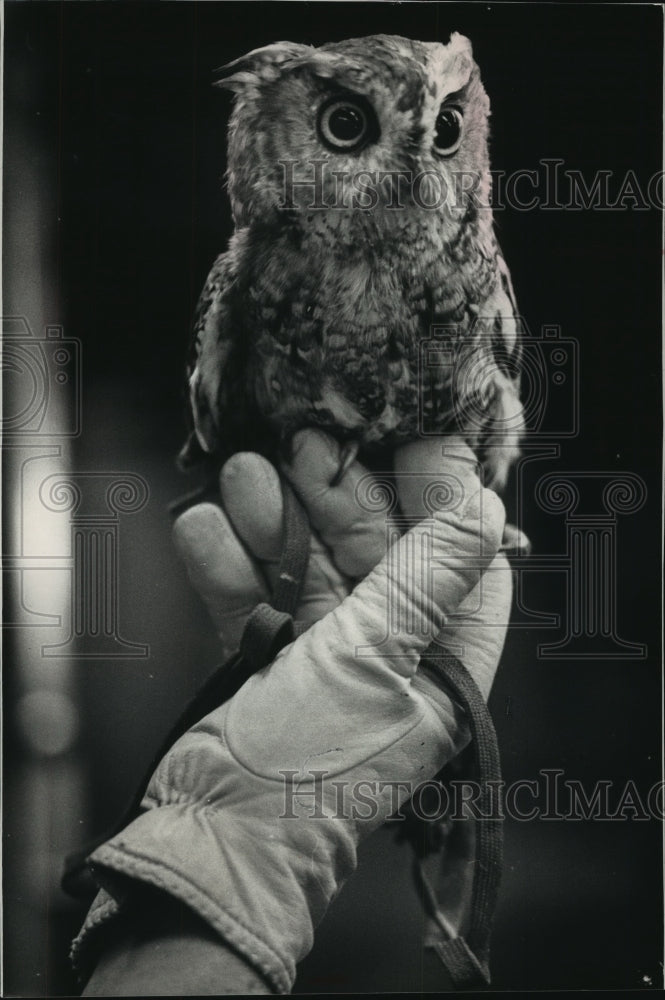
point(347, 456)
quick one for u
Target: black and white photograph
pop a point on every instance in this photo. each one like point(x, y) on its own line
point(332, 547)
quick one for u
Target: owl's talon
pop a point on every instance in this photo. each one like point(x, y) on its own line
point(347, 456)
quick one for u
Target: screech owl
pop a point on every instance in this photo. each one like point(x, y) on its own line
point(359, 180)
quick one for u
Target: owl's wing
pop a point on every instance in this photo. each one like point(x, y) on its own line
point(214, 337)
point(498, 382)
point(506, 336)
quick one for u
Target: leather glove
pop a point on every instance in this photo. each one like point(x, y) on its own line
point(254, 816)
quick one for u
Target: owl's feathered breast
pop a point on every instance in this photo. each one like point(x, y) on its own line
point(334, 316)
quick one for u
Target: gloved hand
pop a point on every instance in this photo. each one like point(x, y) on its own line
point(234, 826)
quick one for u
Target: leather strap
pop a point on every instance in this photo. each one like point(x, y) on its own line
point(295, 554)
point(466, 958)
point(266, 632)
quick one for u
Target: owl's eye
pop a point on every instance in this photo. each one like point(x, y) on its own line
point(448, 131)
point(347, 123)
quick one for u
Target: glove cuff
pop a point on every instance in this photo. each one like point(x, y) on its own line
point(264, 905)
point(157, 850)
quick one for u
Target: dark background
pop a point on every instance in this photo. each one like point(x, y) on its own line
point(116, 99)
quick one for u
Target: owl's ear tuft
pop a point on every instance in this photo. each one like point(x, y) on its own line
point(455, 61)
point(259, 66)
point(459, 44)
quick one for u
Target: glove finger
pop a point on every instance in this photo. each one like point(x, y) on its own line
point(219, 568)
point(252, 498)
point(417, 589)
point(442, 473)
point(355, 535)
point(478, 631)
point(435, 474)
